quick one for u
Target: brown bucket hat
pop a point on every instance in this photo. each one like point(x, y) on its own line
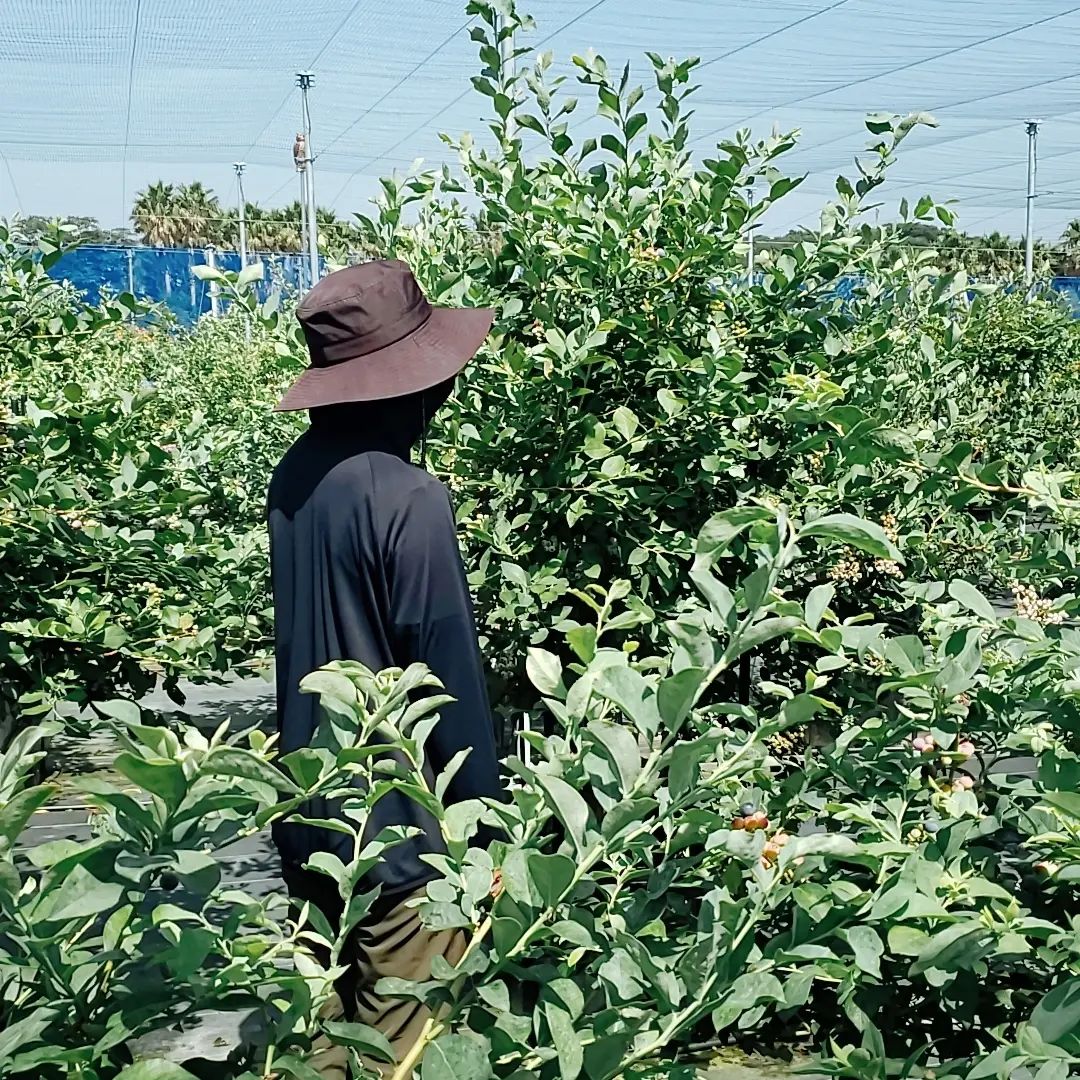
point(372, 334)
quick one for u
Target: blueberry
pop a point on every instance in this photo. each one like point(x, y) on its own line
point(931, 826)
point(169, 881)
point(747, 809)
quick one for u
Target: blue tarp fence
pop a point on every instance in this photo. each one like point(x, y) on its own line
point(164, 276)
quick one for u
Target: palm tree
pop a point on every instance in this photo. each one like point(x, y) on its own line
point(200, 214)
point(154, 215)
point(1070, 243)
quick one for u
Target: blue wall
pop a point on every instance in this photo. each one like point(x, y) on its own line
point(164, 275)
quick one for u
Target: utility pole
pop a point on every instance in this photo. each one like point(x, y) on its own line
point(215, 302)
point(300, 159)
point(1029, 234)
point(305, 80)
point(241, 211)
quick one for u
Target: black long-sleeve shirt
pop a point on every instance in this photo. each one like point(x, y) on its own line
point(366, 567)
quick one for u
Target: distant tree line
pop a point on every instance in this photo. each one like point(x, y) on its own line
point(192, 216)
point(991, 256)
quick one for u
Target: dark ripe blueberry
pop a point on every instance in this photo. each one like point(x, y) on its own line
point(747, 809)
point(1009, 838)
point(931, 826)
point(169, 881)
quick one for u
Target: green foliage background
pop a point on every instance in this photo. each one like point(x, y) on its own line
point(732, 539)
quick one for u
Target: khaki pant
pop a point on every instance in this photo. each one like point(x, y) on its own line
point(391, 943)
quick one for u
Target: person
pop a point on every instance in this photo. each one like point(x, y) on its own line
point(365, 566)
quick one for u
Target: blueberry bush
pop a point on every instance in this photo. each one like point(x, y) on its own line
point(784, 566)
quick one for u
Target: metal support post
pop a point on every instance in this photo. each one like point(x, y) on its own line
point(131, 271)
point(305, 80)
point(1029, 234)
point(302, 173)
point(215, 301)
point(241, 210)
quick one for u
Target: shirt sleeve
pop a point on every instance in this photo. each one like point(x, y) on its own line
point(433, 624)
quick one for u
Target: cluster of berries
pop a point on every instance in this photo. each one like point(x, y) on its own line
point(1030, 605)
point(750, 819)
point(76, 522)
point(925, 743)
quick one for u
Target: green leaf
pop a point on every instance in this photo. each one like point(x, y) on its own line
point(632, 694)
point(454, 1057)
point(234, 761)
point(717, 595)
point(367, 1040)
point(858, 533)
point(537, 880)
point(622, 747)
point(545, 672)
point(1057, 1016)
point(81, 896)
point(817, 602)
point(574, 933)
point(868, 949)
point(20, 1034)
point(127, 712)
point(675, 696)
point(970, 597)
point(907, 940)
point(155, 1069)
point(951, 949)
point(567, 1042)
point(626, 423)
point(623, 975)
point(686, 758)
point(15, 814)
point(165, 778)
point(721, 530)
point(251, 273)
point(760, 633)
point(831, 845)
point(568, 806)
point(582, 639)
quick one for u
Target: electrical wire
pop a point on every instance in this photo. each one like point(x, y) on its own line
point(892, 71)
point(936, 143)
point(318, 56)
point(469, 89)
point(397, 86)
point(11, 177)
point(773, 33)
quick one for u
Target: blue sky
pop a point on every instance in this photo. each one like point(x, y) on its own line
point(102, 97)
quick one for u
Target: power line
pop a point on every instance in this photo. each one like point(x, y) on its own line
point(741, 48)
point(397, 86)
point(955, 105)
point(11, 177)
point(431, 119)
point(773, 33)
point(318, 56)
point(892, 71)
point(130, 95)
point(992, 168)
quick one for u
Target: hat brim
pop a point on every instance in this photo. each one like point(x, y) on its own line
point(433, 353)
